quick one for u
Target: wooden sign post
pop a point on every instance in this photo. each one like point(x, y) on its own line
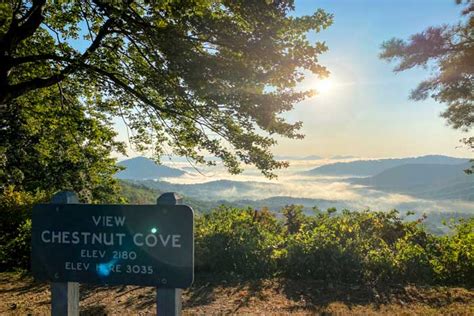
point(65, 295)
point(148, 245)
point(168, 301)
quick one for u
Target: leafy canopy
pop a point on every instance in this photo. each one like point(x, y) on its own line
point(192, 77)
point(449, 51)
point(50, 143)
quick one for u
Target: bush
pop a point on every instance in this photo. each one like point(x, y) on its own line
point(454, 259)
point(244, 242)
point(351, 247)
point(15, 227)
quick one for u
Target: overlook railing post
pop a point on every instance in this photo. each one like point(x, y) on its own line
point(65, 295)
point(168, 301)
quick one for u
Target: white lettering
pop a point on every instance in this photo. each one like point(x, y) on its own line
point(65, 239)
point(76, 266)
point(56, 237)
point(96, 220)
point(75, 238)
point(120, 236)
point(176, 243)
point(135, 240)
point(108, 221)
point(164, 242)
point(43, 239)
point(119, 221)
point(153, 242)
point(96, 237)
point(85, 235)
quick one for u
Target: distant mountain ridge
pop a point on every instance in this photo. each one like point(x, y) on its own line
point(142, 168)
point(310, 157)
point(212, 190)
point(373, 167)
point(428, 181)
point(343, 157)
point(276, 203)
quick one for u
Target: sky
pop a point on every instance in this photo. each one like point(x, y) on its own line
point(363, 109)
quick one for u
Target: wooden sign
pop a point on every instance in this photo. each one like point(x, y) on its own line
point(149, 245)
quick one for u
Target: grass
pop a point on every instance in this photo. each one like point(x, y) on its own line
point(210, 294)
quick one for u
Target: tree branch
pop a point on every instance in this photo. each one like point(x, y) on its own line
point(18, 32)
point(37, 83)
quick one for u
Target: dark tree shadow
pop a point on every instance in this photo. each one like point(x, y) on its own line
point(94, 310)
point(29, 284)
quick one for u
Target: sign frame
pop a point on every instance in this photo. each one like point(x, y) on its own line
point(174, 271)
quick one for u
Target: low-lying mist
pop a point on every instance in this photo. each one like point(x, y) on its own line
point(251, 185)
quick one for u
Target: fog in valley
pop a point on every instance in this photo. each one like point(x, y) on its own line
point(295, 186)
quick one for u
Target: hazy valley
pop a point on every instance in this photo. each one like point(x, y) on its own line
point(421, 184)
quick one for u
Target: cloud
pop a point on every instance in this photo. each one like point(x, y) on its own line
point(255, 187)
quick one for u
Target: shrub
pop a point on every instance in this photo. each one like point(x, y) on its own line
point(244, 242)
point(352, 247)
point(454, 259)
point(15, 227)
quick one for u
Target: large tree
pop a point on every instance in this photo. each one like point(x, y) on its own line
point(49, 143)
point(190, 76)
point(449, 51)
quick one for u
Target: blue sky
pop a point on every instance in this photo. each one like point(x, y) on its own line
point(366, 111)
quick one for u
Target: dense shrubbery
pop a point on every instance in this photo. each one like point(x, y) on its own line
point(244, 241)
point(354, 247)
point(15, 227)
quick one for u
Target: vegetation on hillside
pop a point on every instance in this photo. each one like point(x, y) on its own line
point(346, 247)
point(350, 247)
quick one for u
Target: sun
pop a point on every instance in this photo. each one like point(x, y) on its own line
point(323, 86)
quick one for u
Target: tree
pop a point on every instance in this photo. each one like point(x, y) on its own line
point(294, 218)
point(449, 51)
point(49, 143)
point(192, 77)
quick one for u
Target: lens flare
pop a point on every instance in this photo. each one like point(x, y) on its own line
point(323, 86)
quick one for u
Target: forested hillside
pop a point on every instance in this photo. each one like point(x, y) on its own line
point(375, 166)
point(429, 181)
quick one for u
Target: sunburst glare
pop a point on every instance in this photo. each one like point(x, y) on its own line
point(324, 86)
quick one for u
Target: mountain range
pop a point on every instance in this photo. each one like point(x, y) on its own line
point(310, 157)
point(428, 181)
point(427, 177)
point(364, 168)
point(212, 190)
point(141, 168)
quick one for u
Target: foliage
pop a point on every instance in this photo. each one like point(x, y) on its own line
point(197, 77)
point(366, 247)
point(50, 142)
point(15, 226)
point(449, 50)
point(138, 194)
point(455, 261)
point(294, 218)
point(350, 247)
point(238, 241)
